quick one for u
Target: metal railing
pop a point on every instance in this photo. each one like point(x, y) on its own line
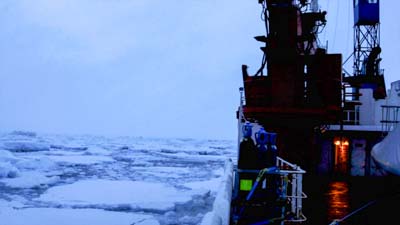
point(295, 175)
point(352, 117)
point(390, 117)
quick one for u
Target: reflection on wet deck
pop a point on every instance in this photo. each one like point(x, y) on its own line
point(338, 200)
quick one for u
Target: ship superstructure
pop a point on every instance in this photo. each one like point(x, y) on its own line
point(297, 90)
point(302, 112)
point(369, 111)
point(294, 94)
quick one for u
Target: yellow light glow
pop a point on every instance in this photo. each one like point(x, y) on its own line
point(341, 143)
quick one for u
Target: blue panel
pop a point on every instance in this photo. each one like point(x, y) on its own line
point(366, 12)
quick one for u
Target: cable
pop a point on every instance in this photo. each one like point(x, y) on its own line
point(337, 221)
point(327, 8)
point(264, 17)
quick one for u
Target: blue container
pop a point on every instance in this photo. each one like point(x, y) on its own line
point(272, 138)
point(273, 151)
point(366, 12)
point(247, 130)
point(262, 137)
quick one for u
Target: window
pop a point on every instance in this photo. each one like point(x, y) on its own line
point(372, 1)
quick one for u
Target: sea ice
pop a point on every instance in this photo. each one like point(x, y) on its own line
point(67, 216)
point(117, 193)
point(36, 163)
point(80, 159)
point(8, 170)
point(7, 156)
point(95, 150)
point(25, 146)
point(211, 184)
point(94, 180)
point(30, 179)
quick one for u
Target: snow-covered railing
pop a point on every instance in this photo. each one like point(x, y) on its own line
point(220, 213)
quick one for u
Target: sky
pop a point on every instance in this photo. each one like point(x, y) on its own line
point(144, 68)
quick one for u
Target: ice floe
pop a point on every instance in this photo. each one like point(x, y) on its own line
point(30, 179)
point(117, 193)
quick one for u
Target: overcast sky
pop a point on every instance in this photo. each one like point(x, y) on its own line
point(144, 68)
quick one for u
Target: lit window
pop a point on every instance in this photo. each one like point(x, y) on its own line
point(342, 143)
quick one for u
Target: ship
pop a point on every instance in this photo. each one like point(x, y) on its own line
point(302, 113)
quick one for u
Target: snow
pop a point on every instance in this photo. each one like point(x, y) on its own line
point(74, 179)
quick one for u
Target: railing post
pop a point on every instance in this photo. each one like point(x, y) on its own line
point(294, 200)
point(299, 194)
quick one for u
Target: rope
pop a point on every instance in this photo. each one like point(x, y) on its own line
point(359, 209)
point(337, 221)
point(258, 179)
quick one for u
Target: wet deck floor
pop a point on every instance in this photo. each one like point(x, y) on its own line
point(335, 198)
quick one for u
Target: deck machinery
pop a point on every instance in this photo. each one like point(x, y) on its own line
point(295, 93)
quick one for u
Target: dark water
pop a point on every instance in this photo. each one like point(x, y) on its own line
point(378, 199)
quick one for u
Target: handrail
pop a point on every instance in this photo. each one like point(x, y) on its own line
point(296, 169)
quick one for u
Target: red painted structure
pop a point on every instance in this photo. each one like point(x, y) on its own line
point(302, 89)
